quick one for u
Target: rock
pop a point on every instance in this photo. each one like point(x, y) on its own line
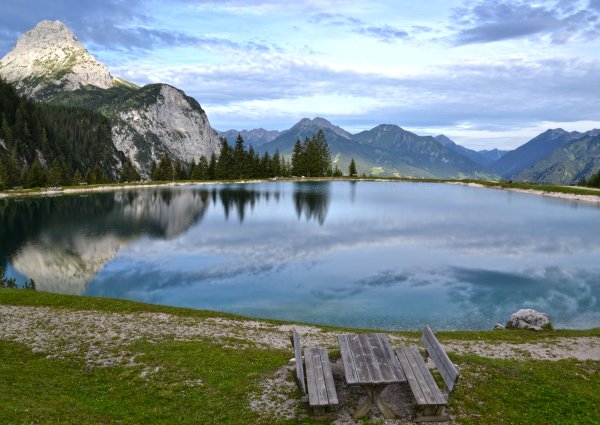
point(51, 55)
point(528, 319)
point(498, 326)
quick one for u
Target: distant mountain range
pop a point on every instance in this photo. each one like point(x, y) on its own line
point(50, 65)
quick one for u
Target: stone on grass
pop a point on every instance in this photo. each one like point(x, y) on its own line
point(498, 326)
point(528, 319)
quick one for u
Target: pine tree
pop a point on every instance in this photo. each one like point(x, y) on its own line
point(298, 159)
point(55, 177)
point(3, 176)
point(239, 158)
point(154, 171)
point(212, 167)
point(165, 169)
point(352, 168)
point(77, 179)
point(37, 174)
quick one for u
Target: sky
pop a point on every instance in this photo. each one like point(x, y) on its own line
point(486, 73)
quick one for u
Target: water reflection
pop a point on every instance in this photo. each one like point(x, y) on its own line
point(312, 200)
point(383, 255)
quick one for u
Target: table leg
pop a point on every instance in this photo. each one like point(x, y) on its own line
point(388, 413)
point(373, 397)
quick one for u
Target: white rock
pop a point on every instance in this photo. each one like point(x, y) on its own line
point(528, 319)
point(182, 129)
point(52, 53)
point(498, 327)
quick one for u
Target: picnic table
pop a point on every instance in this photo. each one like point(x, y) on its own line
point(370, 362)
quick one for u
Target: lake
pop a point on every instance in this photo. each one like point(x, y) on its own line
point(387, 255)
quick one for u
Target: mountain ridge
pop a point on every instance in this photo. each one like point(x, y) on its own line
point(49, 64)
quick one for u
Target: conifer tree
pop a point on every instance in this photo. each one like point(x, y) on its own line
point(212, 167)
point(297, 159)
point(352, 168)
point(77, 178)
point(55, 177)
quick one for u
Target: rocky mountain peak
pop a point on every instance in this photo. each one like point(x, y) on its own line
point(49, 57)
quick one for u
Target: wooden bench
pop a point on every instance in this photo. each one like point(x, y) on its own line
point(317, 385)
point(431, 401)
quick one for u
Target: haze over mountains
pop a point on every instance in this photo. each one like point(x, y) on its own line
point(50, 65)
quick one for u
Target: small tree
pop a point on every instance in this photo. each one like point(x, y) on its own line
point(352, 168)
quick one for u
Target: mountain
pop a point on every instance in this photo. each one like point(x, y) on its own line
point(254, 137)
point(341, 146)
point(492, 155)
point(49, 64)
point(383, 150)
point(474, 156)
point(568, 164)
point(538, 148)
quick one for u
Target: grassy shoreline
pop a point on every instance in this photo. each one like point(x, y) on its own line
point(207, 380)
point(515, 186)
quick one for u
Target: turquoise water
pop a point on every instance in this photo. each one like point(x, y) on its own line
point(366, 254)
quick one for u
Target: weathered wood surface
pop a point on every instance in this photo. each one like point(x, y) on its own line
point(299, 364)
point(319, 378)
point(369, 359)
point(421, 382)
point(440, 358)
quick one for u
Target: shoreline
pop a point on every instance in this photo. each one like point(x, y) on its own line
point(561, 195)
point(583, 197)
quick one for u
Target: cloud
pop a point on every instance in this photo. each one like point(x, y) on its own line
point(496, 20)
point(384, 33)
point(505, 93)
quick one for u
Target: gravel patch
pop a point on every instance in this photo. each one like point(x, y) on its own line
point(582, 348)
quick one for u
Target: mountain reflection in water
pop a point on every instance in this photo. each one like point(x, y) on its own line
point(379, 255)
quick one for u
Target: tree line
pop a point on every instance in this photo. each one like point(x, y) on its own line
point(310, 158)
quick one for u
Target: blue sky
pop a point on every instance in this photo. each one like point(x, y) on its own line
point(486, 73)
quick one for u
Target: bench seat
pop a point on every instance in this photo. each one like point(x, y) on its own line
point(431, 401)
point(317, 382)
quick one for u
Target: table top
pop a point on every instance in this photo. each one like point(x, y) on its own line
point(369, 359)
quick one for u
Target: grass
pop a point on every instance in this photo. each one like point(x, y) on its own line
point(38, 390)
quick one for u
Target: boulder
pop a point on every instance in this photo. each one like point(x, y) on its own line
point(498, 327)
point(528, 319)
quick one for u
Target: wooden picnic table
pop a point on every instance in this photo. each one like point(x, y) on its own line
point(370, 362)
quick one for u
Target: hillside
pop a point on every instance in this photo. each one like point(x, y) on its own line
point(538, 148)
point(78, 138)
point(51, 65)
point(567, 164)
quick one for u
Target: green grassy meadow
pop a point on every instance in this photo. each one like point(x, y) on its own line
point(35, 389)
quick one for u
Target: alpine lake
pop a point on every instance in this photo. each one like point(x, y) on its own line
point(385, 255)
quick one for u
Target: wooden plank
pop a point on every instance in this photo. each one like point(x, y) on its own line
point(391, 369)
point(363, 375)
point(328, 375)
point(311, 379)
point(440, 358)
point(317, 394)
point(373, 357)
point(379, 358)
point(414, 357)
point(347, 360)
point(407, 368)
point(298, 355)
point(436, 395)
